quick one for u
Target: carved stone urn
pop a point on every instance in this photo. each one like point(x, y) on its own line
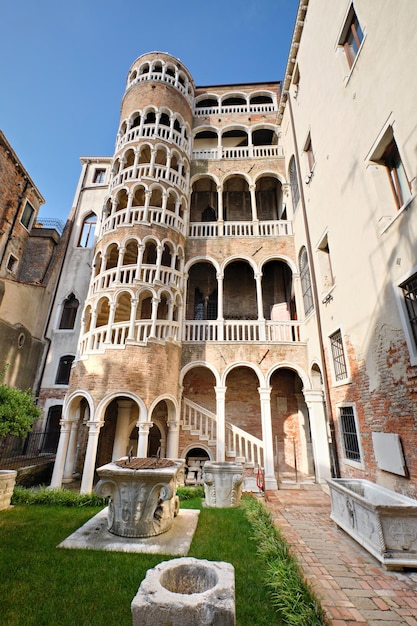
point(222, 484)
point(143, 500)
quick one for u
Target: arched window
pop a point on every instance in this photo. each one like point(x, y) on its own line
point(87, 232)
point(306, 282)
point(64, 370)
point(295, 192)
point(69, 313)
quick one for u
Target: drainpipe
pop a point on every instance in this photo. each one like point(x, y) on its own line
point(335, 469)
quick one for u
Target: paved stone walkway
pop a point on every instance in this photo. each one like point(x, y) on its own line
point(354, 588)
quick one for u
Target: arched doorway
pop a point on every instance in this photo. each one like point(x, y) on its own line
point(293, 453)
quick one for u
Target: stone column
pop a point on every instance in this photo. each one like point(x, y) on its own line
point(221, 423)
point(72, 447)
point(265, 397)
point(143, 439)
point(220, 300)
point(110, 322)
point(259, 301)
point(319, 433)
point(122, 429)
point(61, 454)
point(173, 440)
point(133, 310)
point(90, 457)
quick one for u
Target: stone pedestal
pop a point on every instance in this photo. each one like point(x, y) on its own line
point(222, 484)
point(143, 501)
point(7, 483)
point(186, 592)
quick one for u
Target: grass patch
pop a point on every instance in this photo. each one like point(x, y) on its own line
point(43, 585)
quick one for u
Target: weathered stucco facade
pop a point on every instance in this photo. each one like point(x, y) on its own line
point(348, 118)
point(29, 256)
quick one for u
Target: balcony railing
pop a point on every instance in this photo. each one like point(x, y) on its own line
point(130, 274)
point(239, 152)
point(270, 228)
point(241, 331)
point(193, 331)
point(145, 170)
point(266, 107)
point(152, 131)
point(140, 214)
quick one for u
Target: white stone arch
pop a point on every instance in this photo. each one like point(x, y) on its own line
point(126, 149)
point(150, 108)
point(69, 400)
point(234, 94)
point(241, 127)
point(263, 92)
point(132, 116)
point(202, 259)
point(200, 176)
point(208, 96)
point(316, 370)
point(151, 238)
point(194, 364)
point(147, 289)
point(253, 366)
point(204, 128)
point(108, 243)
point(236, 174)
point(121, 290)
point(269, 174)
point(280, 257)
point(239, 257)
point(199, 444)
point(163, 397)
point(291, 366)
point(122, 393)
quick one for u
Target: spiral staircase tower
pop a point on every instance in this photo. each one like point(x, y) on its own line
point(130, 341)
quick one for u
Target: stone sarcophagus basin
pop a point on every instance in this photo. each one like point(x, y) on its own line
point(222, 484)
point(382, 521)
point(143, 500)
point(7, 483)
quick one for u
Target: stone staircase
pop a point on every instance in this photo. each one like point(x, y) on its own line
point(240, 445)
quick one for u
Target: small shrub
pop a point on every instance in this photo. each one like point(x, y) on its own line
point(188, 493)
point(55, 497)
point(18, 411)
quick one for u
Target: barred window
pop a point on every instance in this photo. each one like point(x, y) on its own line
point(410, 298)
point(338, 353)
point(295, 192)
point(306, 282)
point(349, 434)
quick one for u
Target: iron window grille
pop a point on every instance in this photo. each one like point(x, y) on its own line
point(349, 434)
point(338, 353)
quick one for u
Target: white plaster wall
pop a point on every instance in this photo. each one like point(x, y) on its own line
point(345, 112)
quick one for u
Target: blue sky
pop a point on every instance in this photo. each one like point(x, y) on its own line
point(64, 64)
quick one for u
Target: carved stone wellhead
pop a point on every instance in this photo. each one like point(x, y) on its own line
point(143, 500)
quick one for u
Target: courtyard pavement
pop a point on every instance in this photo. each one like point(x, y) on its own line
point(353, 587)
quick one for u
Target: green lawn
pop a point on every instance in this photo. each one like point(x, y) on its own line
point(43, 585)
